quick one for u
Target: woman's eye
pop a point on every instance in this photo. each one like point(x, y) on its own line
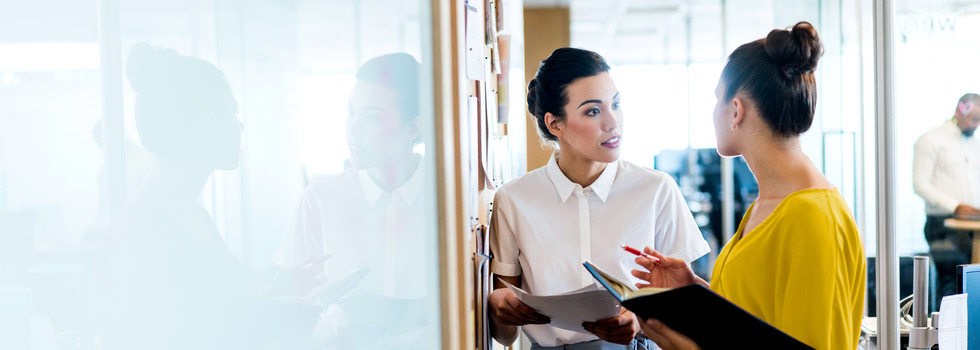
point(592, 112)
point(615, 105)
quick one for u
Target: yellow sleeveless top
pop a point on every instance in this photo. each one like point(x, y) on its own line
point(801, 270)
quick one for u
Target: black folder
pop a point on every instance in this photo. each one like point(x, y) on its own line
point(699, 313)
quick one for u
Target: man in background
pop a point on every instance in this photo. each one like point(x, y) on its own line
point(946, 174)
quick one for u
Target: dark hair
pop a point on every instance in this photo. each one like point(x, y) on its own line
point(399, 72)
point(546, 92)
point(776, 72)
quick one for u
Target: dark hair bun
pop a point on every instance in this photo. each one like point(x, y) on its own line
point(534, 98)
point(796, 50)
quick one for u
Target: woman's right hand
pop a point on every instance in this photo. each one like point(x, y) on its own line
point(666, 273)
point(506, 309)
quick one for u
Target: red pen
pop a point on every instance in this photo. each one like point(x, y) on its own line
point(639, 253)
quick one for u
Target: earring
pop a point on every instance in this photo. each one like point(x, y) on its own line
point(734, 126)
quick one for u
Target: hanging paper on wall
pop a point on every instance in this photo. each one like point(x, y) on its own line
point(475, 41)
point(503, 80)
point(491, 37)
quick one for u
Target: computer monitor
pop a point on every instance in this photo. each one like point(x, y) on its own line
point(968, 281)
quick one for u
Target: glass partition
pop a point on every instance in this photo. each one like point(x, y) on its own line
point(222, 174)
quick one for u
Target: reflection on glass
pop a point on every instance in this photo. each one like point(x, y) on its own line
point(167, 280)
point(189, 259)
point(357, 241)
point(946, 166)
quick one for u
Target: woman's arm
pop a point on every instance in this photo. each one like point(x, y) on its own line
point(666, 338)
point(507, 312)
point(667, 273)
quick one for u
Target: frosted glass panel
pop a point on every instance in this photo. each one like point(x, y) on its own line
point(937, 162)
point(230, 174)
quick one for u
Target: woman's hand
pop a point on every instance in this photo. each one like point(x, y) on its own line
point(667, 273)
point(506, 309)
point(666, 338)
point(620, 329)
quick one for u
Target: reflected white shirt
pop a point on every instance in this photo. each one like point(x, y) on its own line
point(350, 218)
point(544, 227)
point(946, 169)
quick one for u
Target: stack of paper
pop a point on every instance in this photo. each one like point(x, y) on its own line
point(569, 310)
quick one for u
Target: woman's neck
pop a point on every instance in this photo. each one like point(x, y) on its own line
point(781, 168)
point(395, 173)
point(175, 184)
point(580, 170)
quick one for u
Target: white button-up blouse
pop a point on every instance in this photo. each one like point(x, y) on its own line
point(544, 226)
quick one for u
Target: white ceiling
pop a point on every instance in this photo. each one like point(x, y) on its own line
point(675, 31)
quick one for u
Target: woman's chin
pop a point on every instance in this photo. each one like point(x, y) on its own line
point(608, 156)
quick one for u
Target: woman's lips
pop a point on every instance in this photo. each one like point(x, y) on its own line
point(612, 143)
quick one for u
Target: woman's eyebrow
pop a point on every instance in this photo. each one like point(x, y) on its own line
point(589, 101)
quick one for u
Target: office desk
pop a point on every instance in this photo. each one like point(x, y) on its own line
point(967, 225)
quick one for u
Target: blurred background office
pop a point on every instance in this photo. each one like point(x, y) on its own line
point(72, 154)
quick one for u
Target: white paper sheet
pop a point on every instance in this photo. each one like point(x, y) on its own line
point(569, 310)
point(952, 322)
point(475, 40)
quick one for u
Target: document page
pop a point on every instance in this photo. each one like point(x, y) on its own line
point(569, 310)
point(952, 322)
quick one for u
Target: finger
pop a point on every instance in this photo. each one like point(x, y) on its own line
point(522, 318)
point(653, 252)
point(652, 329)
point(643, 275)
point(643, 285)
point(648, 264)
point(514, 318)
point(618, 321)
point(666, 337)
point(527, 312)
point(508, 313)
point(663, 258)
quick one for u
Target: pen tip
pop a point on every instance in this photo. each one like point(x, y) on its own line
point(622, 246)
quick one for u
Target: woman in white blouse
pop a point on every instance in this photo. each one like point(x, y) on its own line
point(580, 207)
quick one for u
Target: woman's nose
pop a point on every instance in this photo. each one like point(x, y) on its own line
point(610, 122)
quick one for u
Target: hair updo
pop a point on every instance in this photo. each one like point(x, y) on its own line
point(546, 92)
point(776, 72)
point(174, 96)
point(400, 73)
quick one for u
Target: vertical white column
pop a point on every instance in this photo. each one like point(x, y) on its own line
point(113, 137)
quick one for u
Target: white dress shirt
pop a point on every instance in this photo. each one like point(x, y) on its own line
point(350, 218)
point(544, 227)
point(946, 169)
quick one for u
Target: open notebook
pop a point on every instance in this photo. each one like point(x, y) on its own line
point(702, 315)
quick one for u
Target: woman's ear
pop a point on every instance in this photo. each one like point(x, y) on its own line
point(738, 107)
point(554, 124)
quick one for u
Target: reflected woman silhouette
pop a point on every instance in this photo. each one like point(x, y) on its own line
point(170, 280)
point(381, 204)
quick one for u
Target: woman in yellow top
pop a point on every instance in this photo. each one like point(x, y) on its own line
point(796, 261)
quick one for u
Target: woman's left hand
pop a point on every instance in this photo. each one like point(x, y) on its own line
point(666, 338)
point(620, 329)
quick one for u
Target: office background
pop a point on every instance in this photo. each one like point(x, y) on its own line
point(71, 155)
